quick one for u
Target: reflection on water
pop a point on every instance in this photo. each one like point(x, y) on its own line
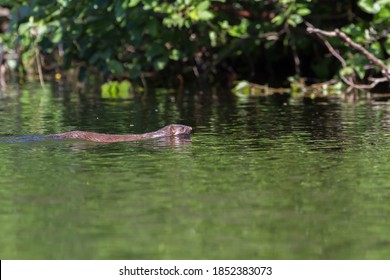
point(21, 139)
point(258, 179)
point(177, 140)
point(163, 141)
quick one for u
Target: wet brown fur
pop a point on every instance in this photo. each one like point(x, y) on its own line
point(167, 131)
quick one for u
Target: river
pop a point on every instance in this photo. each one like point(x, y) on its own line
point(261, 178)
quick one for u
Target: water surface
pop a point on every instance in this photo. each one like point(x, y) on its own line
point(260, 178)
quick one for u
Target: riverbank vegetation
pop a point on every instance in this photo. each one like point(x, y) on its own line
point(280, 43)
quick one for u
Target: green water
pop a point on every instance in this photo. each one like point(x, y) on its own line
point(260, 179)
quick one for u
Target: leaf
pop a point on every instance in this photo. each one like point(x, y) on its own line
point(119, 12)
point(205, 15)
point(104, 55)
point(201, 12)
point(376, 49)
point(153, 27)
point(193, 14)
point(160, 63)
point(155, 50)
point(203, 6)
point(294, 20)
point(133, 3)
point(384, 14)
point(175, 55)
point(115, 66)
point(64, 3)
point(24, 27)
point(278, 20)
point(239, 30)
point(303, 12)
point(360, 71)
point(243, 87)
point(134, 70)
point(387, 45)
point(57, 36)
point(347, 71)
point(368, 6)
point(213, 38)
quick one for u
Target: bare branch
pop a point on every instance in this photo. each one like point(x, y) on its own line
point(334, 52)
point(337, 33)
point(361, 86)
point(5, 12)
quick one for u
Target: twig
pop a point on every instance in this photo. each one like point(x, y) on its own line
point(334, 52)
point(375, 81)
point(361, 49)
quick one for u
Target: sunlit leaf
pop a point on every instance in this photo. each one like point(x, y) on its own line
point(278, 20)
point(203, 6)
point(368, 6)
point(57, 36)
point(303, 12)
point(119, 12)
point(133, 3)
point(205, 15)
point(347, 71)
point(175, 55)
point(160, 63)
point(243, 87)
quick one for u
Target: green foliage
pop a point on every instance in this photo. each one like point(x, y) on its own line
point(380, 9)
point(116, 90)
point(129, 37)
point(292, 12)
point(297, 89)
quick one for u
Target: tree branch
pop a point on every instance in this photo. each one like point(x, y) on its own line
point(337, 33)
